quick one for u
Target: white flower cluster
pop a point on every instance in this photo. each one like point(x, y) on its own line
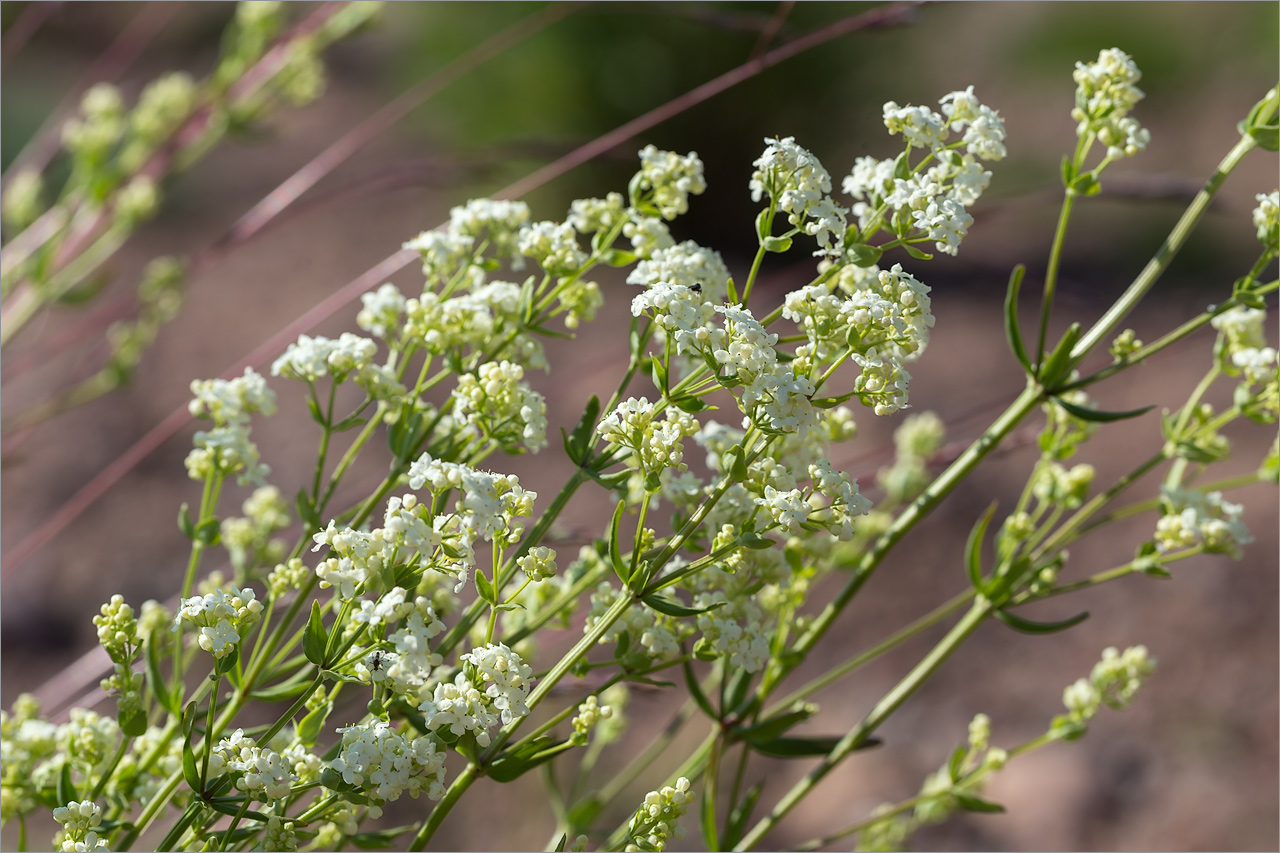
point(1114, 681)
point(884, 314)
point(232, 401)
point(651, 640)
point(311, 359)
point(407, 669)
point(1106, 91)
point(88, 736)
point(504, 678)
point(387, 764)
point(497, 220)
point(381, 311)
point(831, 504)
point(1245, 333)
point(223, 616)
point(935, 199)
point(657, 821)
point(736, 629)
point(223, 451)
point(589, 215)
point(488, 505)
point(800, 187)
point(358, 554)
point(492, 686)
point(448, 259)
point(685, 265)
point(1193, 518)
point(500, 405)
point(1266, 218)
point(657, 445)
point(667, 179)
point(261, 771)
point(79, 823)
point(773, 397)
point(554, 245)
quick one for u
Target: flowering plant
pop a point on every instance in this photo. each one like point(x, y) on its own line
point(426, 613)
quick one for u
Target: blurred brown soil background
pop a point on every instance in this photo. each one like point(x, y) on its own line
point(1193, 765)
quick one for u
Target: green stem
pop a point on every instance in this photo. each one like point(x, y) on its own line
point(859, 733)
point(1051, 274)
point(1026, 403)
point(442, 809)
point(1177, 238)
point(235, 821)
point(894, 640)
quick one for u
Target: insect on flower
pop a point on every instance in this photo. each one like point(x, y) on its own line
point(376, 663)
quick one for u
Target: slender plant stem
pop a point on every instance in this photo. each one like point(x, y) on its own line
point(859, 733)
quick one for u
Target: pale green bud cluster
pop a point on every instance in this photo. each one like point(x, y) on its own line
point(539, 564)
point(248, 538)
point(656, 822)
point(101, 124)
point(1056, 485)
point(1114, 682)
point(1125, 345)
point(658, 446)
point(224, 451)
point(589, 714)
point(22, 203)
point(499, 405)
point(917, 440)
point(117, 629)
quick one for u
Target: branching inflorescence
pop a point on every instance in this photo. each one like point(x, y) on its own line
point(427, 600)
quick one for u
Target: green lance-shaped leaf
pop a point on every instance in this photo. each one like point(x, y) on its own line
point(695, 690)
point(314, 637)
point(973, 550)
point(971, 803)
point(736, 825)
point(155, 680)
point(1058, 364)
point(1026, 626)
point(312, 724)
point(672, 607)
point(620, 566)
point(1011, 328)
point(805, 747)
point(66, 789)
point(1084, 413)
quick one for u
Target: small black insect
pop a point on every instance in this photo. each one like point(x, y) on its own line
point(376, 663)
point(697, 287)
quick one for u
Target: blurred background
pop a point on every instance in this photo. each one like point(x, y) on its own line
point(1193, 765)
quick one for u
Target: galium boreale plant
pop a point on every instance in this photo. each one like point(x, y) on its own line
point(59, 238)
point(397, 641)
